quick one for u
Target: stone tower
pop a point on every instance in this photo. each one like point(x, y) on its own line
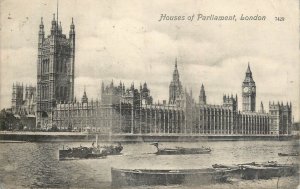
point(17, 97)
point(175, 88)
point(280, 118)
point(84, 98)
point(262, 110)
point(248, 92)
point(202, 96)
point(55, 70)
point(230, 102)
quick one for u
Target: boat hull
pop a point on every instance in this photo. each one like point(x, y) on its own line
point(291, 154)
point(79, 154)
point(92, 152)
point(261, 172)
point(127, 177)
point(182, 151)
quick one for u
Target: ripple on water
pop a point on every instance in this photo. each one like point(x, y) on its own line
point(36, 164)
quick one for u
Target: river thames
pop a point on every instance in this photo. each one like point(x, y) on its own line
point(36, 165)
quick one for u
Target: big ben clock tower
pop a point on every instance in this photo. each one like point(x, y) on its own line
point(248, 92)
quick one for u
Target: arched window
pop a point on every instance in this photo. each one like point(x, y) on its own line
point(65, 69)
point(61, 65)
point(56, 92)
point(57, 66)
point(65, 92)
point(42, 66)
point(43, 93)
point(61, 93)
point(47, 65)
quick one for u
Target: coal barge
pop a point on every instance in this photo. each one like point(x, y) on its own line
point(138, 177)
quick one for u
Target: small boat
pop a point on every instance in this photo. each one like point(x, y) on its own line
point(289, 154)
point(236, 170)
point(180, 150)
point(221, 166)
point(138, 177)
point(81, 153)
point(268, 170)
point(253, 170)
point(234, 166)
point(112, 149)
point(233, 171)
point(90, 152)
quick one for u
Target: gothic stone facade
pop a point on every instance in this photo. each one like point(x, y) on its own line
point(55, 70)
point(23, 104)
point(132, 111)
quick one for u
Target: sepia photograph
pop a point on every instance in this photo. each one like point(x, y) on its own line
point(139, 94)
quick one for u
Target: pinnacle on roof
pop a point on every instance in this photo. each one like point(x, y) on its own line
point(248, 68)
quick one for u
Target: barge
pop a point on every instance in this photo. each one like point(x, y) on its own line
point(180, 150)
point(289, 154)
point(90, 152)
point(150, 177)
point(253, 170)
point(250, 172)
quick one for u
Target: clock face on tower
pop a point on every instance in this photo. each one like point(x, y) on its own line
point(246, 89)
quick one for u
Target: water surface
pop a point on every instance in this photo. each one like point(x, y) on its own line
point(36, 165)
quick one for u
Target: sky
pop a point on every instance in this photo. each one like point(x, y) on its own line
point(124, 40)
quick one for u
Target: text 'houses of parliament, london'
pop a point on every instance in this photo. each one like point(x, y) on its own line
point(132, 110)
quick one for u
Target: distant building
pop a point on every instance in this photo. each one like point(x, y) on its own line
point(280, 118)
point(132, 111)
point(296, 129)
point(23, 104)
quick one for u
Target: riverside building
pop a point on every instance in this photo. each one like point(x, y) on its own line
point(132, 110)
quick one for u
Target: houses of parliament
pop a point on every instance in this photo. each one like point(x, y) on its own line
point(132, 110)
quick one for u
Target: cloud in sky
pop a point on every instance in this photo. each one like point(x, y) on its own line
point(123, 40)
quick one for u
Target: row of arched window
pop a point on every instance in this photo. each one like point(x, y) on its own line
point(61, 93)
point(61, 65)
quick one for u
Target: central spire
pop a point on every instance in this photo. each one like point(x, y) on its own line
point(248, 68)
point(175, 88)
point(248, 76)
point(175, 73)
